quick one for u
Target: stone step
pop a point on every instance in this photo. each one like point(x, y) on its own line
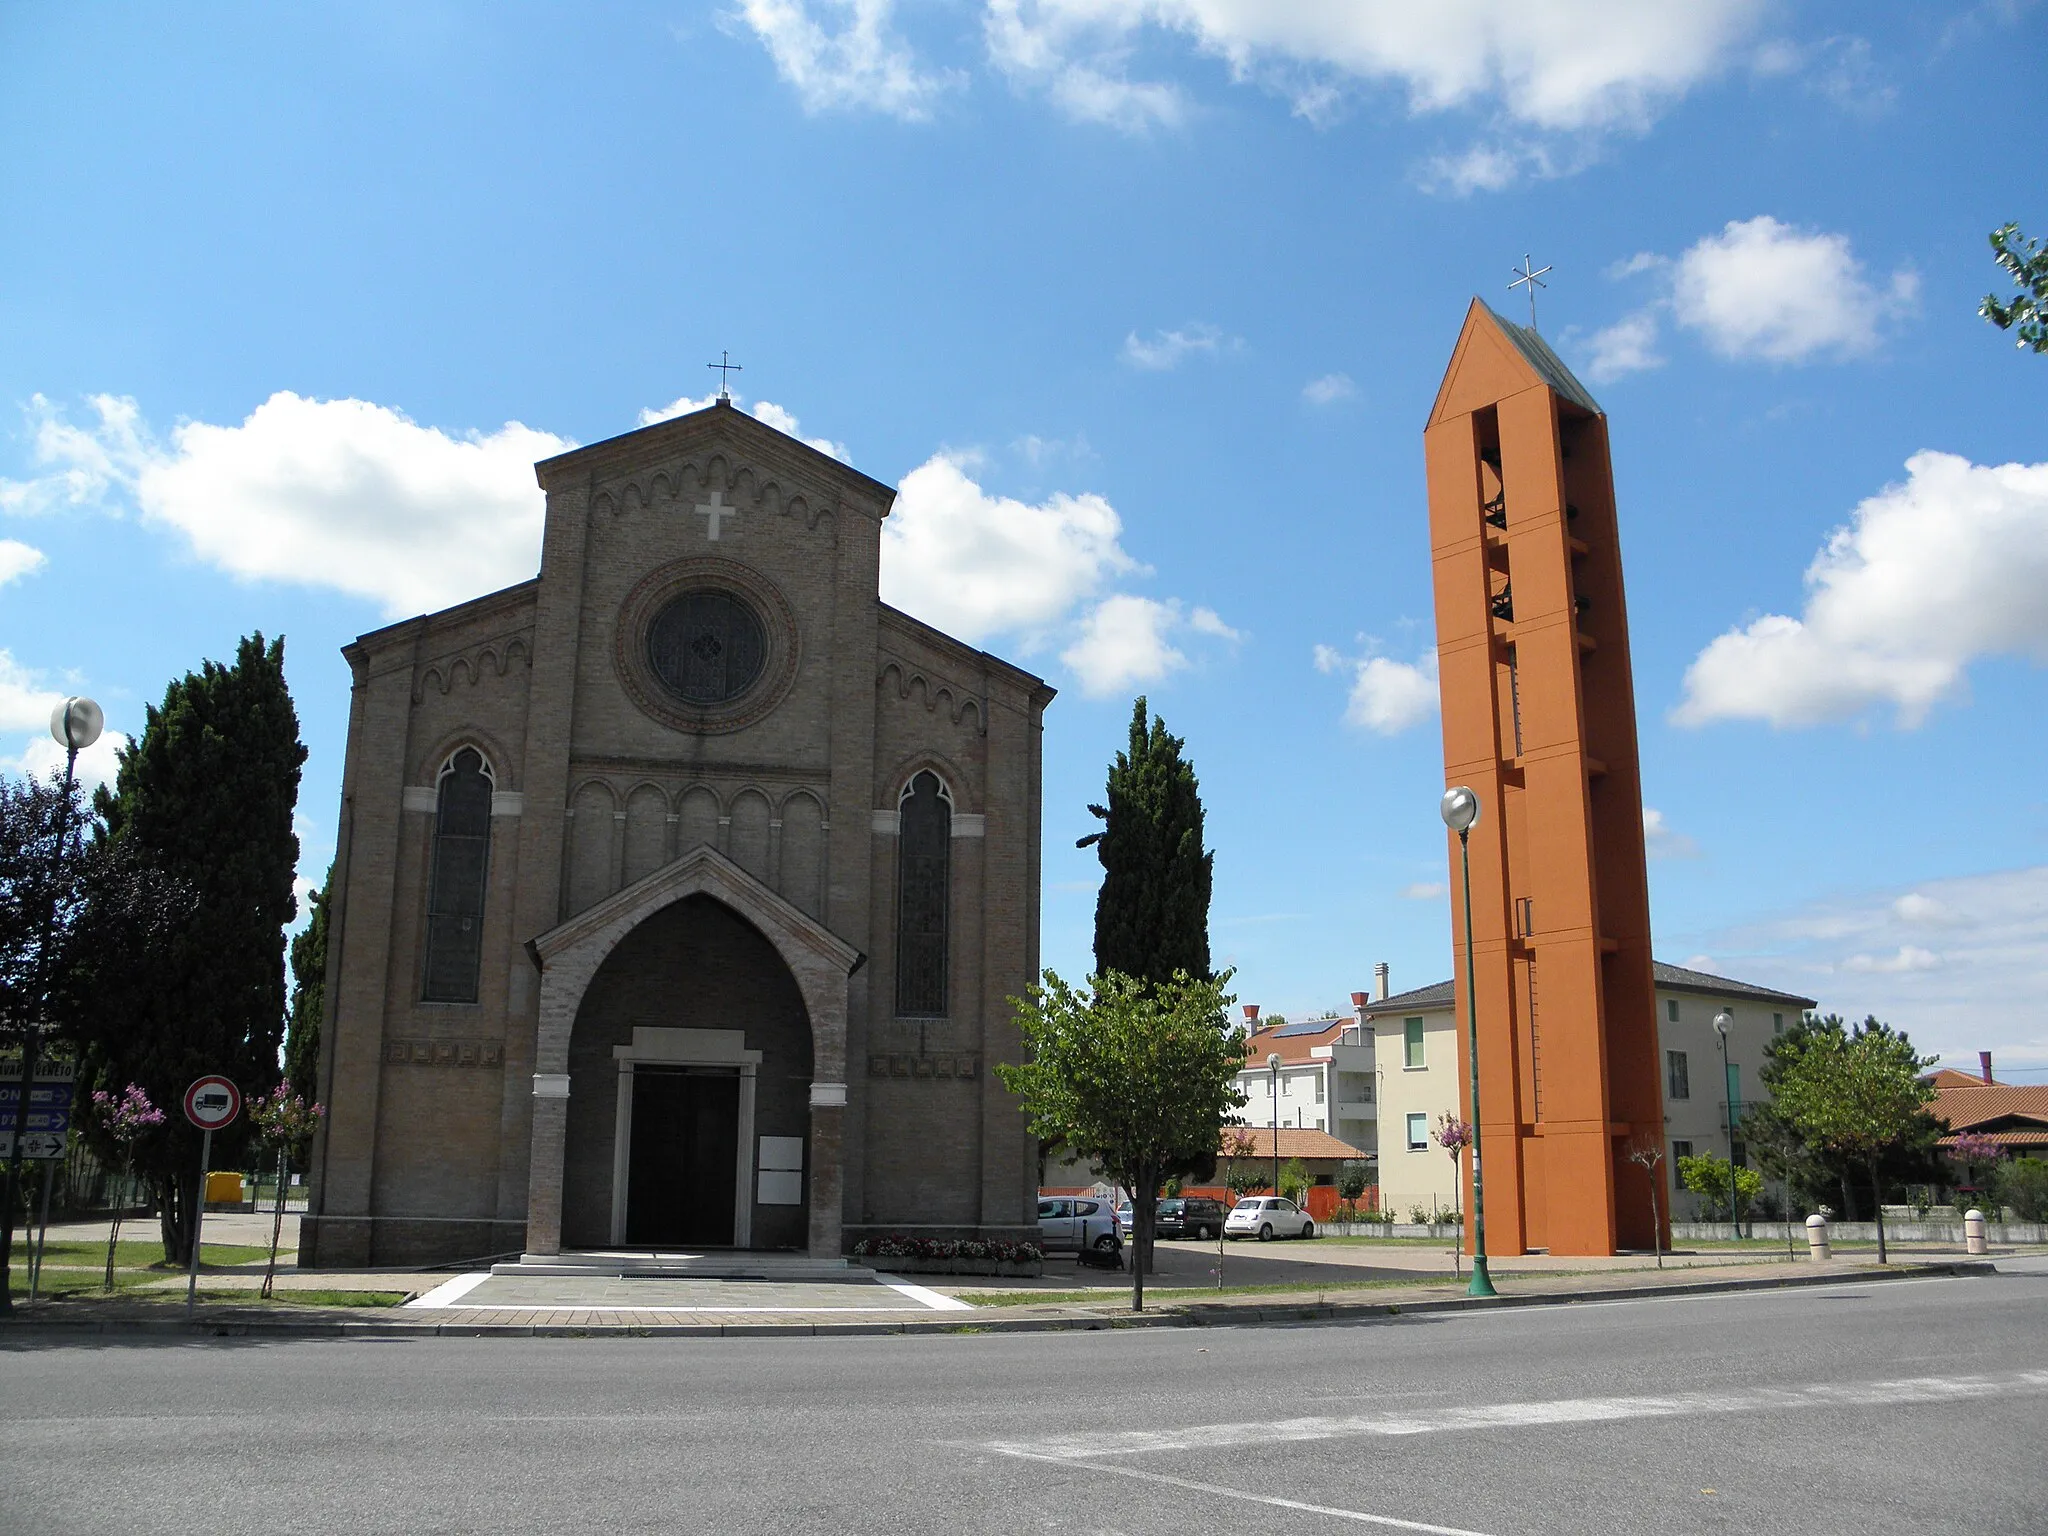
point(639, 1264)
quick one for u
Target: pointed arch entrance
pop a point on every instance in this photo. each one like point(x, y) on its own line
point(692, 1031)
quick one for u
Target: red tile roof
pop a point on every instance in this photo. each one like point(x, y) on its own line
point(2014, 1114)
point(1294, 1142)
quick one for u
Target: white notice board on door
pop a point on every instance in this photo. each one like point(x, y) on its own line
point(781, 1178)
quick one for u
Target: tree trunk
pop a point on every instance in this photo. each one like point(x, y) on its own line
point(1142, 1203)
point(276, 1227)
point(1877, 1205)
point(179, 1194)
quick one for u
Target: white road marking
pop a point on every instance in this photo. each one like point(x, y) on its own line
point(449, 1292)
point(1087, 1449)
point(1358, 1516)
point(938, 1301)
point(701, 1307)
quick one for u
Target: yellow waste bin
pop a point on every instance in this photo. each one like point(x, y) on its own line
point(223, 1189)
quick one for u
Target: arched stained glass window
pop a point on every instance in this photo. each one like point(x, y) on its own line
point(924, 879)
point(455, 896)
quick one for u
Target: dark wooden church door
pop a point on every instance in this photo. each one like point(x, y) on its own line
point(684, 1160)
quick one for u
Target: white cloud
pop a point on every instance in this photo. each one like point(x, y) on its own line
point(857, 63)
point(1662, 841)
point(1922, 911)
point(1758, 289)
point(1491, 166)
point(1206, 621)
point(1169, 349)
point(18, 560)
point(977, 565)
point(1908, 957)
point(1329, 389)
point(1387, 696)
point(1127, 641)
point(1765, 289)
point(1628, 346)
point(1123, 644)
point(1926, 577)
point(333, 493)
point(1860, 954)
point(1569, 64)
point(1425, 890)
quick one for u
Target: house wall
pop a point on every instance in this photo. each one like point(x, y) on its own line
point(1413, 1178)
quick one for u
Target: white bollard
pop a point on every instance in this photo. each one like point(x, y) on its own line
point(1973, 1232)
point(1817, 1247)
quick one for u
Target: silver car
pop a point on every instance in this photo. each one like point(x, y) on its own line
point(1067, 1225)
point(1267, 1217)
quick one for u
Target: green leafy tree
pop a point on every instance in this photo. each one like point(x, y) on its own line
point(64, 908)
point(2027, 312)
point(1813, 1173)
point(205, 794)
point(2023, 1185)
point(1294, 1180)
point(309, 997)
point(1706, 1175)
point(1135, 1076)
point(1860, 1095)
point(1152, 912)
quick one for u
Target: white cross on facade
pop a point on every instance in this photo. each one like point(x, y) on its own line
point(714, 512)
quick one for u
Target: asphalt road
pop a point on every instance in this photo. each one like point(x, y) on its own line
point(1896, 1406)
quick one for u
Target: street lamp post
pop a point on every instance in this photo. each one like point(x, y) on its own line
point(1723, 1021)
point(76, 723)
point(1460, 810)
point(1273, 1067)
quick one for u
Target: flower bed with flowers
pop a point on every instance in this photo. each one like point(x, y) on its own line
point(949, 1256)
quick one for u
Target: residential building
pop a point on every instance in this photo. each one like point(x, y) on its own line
point(1324, 1081)
point(1420, 1079)
point(2014, 1117)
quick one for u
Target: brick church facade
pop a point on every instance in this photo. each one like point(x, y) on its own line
point(679, 890)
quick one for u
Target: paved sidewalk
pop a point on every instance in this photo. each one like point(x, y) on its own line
point(891, 1305)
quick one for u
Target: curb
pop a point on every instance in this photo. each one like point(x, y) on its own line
point(1187, 1315)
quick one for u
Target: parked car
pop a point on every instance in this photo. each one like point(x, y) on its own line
point(1125, 1220)
point(1067, 1225)
point(1196, 1216)
point(1266, 1217)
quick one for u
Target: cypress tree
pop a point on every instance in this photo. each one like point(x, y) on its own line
point(309, 997)
point(206, 795)
point(1152, 913)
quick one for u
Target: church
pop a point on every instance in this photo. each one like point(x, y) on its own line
point(680, 890)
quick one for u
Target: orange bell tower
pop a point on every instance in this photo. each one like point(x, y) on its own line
point(1539, 719)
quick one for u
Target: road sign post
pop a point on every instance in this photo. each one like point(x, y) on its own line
point(210, 1103)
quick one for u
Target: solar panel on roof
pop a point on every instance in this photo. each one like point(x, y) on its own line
point(1307, 1027)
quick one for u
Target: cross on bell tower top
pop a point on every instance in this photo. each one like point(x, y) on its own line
point(1529, 276)
point(726, 367)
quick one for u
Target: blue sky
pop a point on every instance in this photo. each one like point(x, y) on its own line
point(1142, 303)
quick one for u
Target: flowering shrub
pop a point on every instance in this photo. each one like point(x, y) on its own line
point(125, 1118)
point(1975, 1147)
point(895, 1246)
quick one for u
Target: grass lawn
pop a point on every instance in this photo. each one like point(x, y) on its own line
point(79, 1269)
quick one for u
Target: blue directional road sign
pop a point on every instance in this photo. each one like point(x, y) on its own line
point(48, 1120)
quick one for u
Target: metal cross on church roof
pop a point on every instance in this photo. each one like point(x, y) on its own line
point(726, 367)
point(1531, 277)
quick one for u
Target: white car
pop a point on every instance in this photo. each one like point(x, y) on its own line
point(1266, 1217)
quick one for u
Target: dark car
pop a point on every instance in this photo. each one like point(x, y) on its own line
point(1196, 1216)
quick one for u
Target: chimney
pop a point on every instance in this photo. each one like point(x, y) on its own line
point(1251, 1015)
point(1984, 1066)
point(1358, 1002)
point(1379, 982)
